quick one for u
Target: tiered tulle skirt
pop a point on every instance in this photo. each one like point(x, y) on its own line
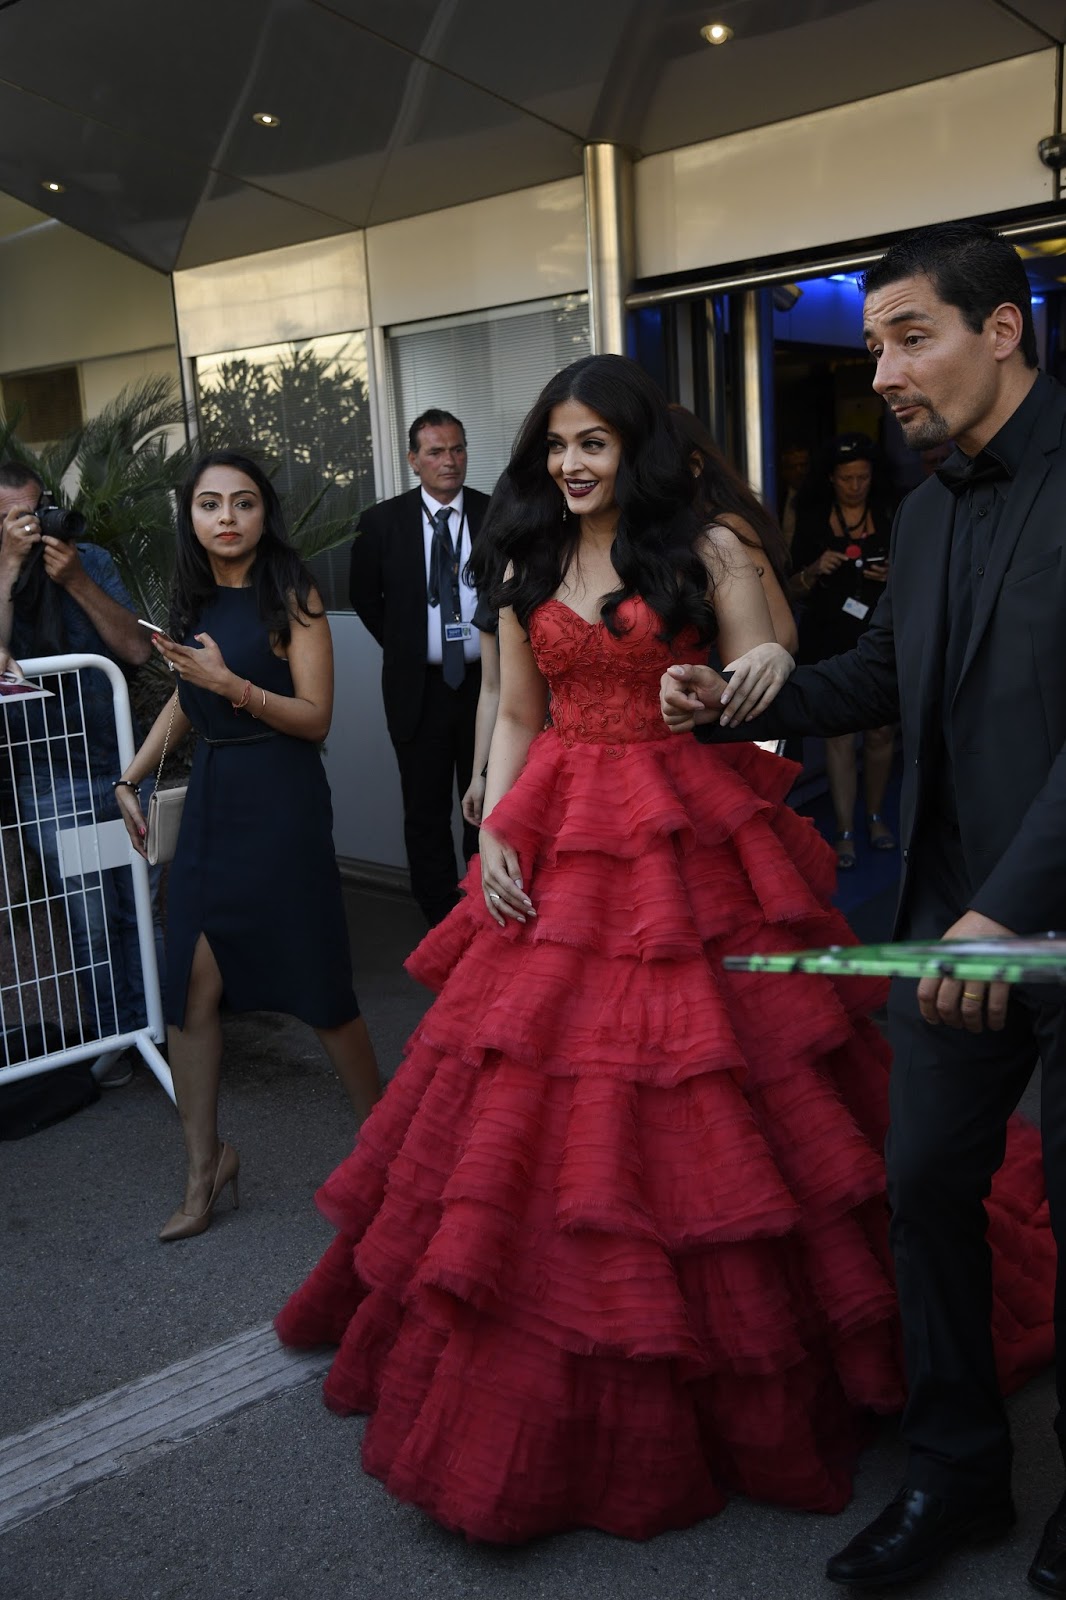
point(614, 1243)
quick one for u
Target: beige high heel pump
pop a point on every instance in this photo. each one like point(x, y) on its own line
point(184, 1226)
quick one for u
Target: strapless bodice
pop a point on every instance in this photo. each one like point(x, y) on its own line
point(605, 689)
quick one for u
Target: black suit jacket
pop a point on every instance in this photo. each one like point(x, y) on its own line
point(388, 591)
point(1008, 713)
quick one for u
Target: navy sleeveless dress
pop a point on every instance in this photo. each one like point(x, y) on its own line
point(254, 870)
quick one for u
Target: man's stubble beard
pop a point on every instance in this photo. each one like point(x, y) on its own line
point(926, 431)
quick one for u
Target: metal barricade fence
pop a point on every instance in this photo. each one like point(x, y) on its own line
point(79, 976)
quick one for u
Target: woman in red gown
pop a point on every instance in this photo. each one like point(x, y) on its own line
point(614, 1243)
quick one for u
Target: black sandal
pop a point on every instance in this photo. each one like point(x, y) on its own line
point(846, 858)
point(884, 841)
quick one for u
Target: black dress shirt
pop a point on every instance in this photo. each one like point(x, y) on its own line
point(981, 486)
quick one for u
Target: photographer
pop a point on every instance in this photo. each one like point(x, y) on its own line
point(840, 567)
point(59, 595)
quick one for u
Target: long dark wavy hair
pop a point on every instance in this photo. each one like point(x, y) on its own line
point(720, 488)
point(655, 550)
point(281, 581)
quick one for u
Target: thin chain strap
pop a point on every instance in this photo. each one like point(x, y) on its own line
point(166, 741)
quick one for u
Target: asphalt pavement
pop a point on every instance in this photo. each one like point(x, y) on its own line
point(259, 1492)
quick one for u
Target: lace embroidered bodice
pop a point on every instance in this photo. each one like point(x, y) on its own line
point(605, 690)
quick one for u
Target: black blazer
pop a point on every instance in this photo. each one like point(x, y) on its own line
point(1008, 714)
point(388, 591)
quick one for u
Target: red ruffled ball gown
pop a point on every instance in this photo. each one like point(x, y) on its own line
point(614, 1242)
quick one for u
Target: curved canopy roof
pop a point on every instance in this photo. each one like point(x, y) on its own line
point(390, 108)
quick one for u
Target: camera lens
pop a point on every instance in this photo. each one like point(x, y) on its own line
point(57, 522)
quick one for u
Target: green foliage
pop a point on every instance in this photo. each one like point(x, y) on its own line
point(124, 474)
point(304, 408)
point(127, 463)
point(297, 406)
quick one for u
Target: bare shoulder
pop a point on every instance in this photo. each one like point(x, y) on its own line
point(722, 552)
point(310, 619)
point(511, 630)
point(741, 527)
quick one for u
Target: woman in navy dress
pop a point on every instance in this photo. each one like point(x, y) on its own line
point(255, 917)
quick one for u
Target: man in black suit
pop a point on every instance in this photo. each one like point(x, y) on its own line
point(408, 587)
point(966, 649)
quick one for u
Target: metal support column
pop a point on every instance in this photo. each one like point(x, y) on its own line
point(611, 248)
point(711, 365)
point(757, 400)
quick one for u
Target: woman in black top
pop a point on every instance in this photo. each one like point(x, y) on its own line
point(840, 561)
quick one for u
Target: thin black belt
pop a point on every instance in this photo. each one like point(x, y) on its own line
point(254, 738)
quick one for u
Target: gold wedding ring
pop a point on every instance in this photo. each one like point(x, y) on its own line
point(972, 994)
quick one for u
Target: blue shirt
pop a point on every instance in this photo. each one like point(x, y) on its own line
point(68, 712)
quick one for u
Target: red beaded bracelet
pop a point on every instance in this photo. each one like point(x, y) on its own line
point(239, 705)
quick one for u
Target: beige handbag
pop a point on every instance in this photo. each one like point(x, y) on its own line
point(164, 810)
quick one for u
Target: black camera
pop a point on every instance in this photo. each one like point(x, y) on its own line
point(56, 522)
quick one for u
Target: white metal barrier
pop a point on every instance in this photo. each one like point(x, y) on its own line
point(59, 1000)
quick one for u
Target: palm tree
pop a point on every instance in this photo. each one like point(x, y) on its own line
point(123, 469)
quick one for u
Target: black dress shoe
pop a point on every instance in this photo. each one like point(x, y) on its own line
point(915, 1532)
point(1048, 1571)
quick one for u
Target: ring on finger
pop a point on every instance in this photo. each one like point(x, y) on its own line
point(972, 994)
point(493, 895)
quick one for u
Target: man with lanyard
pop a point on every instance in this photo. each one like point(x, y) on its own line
point(408, 588)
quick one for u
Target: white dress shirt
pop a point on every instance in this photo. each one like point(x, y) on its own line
point(467, 595)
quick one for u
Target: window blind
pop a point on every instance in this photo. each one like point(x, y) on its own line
point(487, 369)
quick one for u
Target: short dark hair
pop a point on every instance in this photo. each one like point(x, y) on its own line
point(433, 418)
point(13, 474)
point(970, 267)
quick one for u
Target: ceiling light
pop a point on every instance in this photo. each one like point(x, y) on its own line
point(51, 185)
point(717, 33)
point(266, 119)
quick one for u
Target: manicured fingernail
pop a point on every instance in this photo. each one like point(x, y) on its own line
point(142, 832)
